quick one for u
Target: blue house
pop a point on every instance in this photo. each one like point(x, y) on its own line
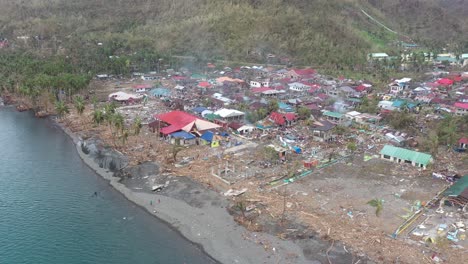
point(184, 137)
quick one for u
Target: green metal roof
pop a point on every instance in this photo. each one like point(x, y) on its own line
point(356, 100)
point(333, 114)
point(406, 154)
point(457, 188)
point(446, 58)
point(197, 76)
point(212, 117)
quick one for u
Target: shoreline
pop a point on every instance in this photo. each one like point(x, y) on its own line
point(211, 228)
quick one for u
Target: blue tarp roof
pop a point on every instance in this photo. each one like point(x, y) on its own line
point(160, 92)
point(182, 134)
point(285, 107)
point(207, 136)
point(199, 109)
point(400, 103)
point(298, 150)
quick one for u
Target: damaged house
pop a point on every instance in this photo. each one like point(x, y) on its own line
point(322, 130)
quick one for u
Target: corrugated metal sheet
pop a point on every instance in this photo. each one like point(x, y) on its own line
point(406, 154)
point(458, 188)
point(333, 114)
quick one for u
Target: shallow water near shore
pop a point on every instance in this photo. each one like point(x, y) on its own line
point(50, 213)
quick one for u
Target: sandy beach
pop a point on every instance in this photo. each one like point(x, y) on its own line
point(200, 215)
point(209, 226)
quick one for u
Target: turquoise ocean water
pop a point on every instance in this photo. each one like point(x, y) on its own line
point(48, 213)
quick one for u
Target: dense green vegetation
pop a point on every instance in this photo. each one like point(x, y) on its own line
point(432, 23)
point(333, 34)
point(329, 33)
point(37, 78)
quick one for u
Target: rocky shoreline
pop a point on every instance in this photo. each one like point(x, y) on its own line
point(200, 214)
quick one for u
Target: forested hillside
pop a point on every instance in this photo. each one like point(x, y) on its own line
point(330, 33)
point(429, 22)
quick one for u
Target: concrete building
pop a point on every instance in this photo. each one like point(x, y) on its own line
point(401, 155)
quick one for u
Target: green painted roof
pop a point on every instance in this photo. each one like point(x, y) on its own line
point(356, 100)
point(406, 154)
point(333, 114)
point(197, 76)
point(212, 117)
point(457, 188)
point(446, 58)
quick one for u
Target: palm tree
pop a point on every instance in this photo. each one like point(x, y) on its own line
point(241, 206)
point(137, 126)
point(109, 110)
point(61, 108)
point(79, 105)
point(433, 143)
point(98, 116)
point(378, 204)
point(124, 136)
point(118, 121)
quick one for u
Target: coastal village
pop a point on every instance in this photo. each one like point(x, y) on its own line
point(298, 153)
point(235, 132)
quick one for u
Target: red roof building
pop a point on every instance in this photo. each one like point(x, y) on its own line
point(304, 72)
point(361, 88)
point(178, 78)
point(261, 89)
point(300, 73)
point(282, 119)
point(176, 120)
point(463, 140)
point(179, 120)
point(445, 82)
point(204, 85)
point(461, 105)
